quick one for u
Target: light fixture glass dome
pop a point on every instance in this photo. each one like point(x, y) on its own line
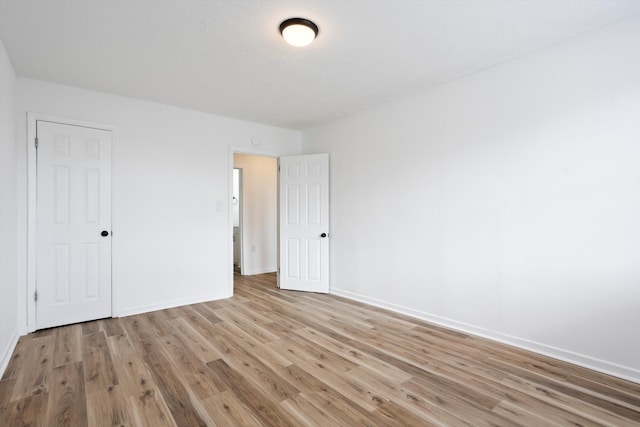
point(298, 31)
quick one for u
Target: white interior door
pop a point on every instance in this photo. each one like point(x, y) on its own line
point(73, 224)
point(304, 223)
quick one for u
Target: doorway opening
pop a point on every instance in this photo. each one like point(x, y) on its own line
point(237, 224)
point(255, 214)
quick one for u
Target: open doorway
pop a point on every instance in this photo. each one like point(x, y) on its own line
point(255, 231)
point(237, 224)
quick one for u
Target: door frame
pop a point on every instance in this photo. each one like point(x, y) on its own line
point(32, 120)
point(238, 149)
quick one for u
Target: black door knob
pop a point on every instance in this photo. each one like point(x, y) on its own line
point(323, 235)
point(104, 233)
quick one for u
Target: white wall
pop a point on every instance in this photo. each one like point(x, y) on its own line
point(259, 213)
point(8, 212)
point(171, 191)
point(505, 203)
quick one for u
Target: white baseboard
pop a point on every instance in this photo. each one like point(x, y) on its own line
point(252, 271)
point(6, 354)
point(170, 304)
point(585, 361)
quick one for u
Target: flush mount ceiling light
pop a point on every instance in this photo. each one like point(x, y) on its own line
point(298, 31)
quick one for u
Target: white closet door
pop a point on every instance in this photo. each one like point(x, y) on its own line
point(73, 228)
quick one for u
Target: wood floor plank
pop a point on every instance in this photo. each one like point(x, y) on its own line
point(198, 322)
point(352, 354)
point(303, 380)
point(34, 376)
point(267, 357)
point(611, 404)
point(90, 327)
point(17, 361)
point(394, 415)
point(522, 416)
point(344, 409)
point(67, 399)
point(432, 410)
point(6, 390)
point(302, 347)
point(99, 371)
point(246, 324)
point(133, 375)
point(28, 411)
point(173, 312)
point(207, 313)
point(273, 315)
point(158, 322)
point(458, 406)
point(262, 407)
point(150, 410)
point(316, 390)
point(194, 375)
point(111, 327)
point(272, 358)
point(308, 413)
point(607, 391)
point(68, 345)
point(228, 411)
point(339, 383)
point(572, 408)
point(202, 348)
point(171, 388)
point(108, 408)
point(256, 372)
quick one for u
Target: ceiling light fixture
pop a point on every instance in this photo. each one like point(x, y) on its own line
point(298, 31)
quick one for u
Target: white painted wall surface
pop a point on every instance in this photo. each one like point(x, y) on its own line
point(8, 212)
point(259, 213)
point(171, 191)
point(505, 203)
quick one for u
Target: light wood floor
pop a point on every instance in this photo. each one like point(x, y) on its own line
point(276, 358)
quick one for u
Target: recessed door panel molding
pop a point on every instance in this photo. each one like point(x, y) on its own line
point(314, 259)
point(73, 208)
point(304, 219)
point(90, 264)
point(314, 204)
point(61, 145)
point(60, 196)
point(92, 196)
point(293, 256)
point(314, 169)
point(92, 149)
point(292, 195)
point(61, 273)
point(292, 170)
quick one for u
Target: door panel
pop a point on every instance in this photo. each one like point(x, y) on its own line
point(73, 207)
point(304, 223)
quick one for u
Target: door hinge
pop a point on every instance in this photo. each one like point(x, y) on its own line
point(35, 296)
point(36, 143)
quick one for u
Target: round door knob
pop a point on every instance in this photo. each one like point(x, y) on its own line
point(323, 235)
point(104, 233)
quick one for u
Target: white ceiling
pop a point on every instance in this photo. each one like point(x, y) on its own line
point(227, 57)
